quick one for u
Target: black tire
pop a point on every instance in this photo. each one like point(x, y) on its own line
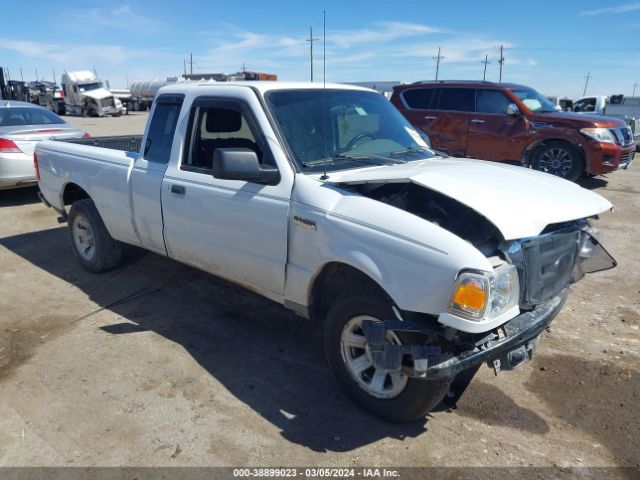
point(105, 253)
point(417, 398)
point(558, 158)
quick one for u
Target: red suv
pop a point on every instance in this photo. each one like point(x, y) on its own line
point(508, 122)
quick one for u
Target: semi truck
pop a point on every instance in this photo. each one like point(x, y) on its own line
point(86, 95)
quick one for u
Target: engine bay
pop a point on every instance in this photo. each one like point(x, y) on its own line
point(439, 209)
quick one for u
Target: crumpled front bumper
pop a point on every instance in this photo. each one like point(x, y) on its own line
point(521, 331)
point(510, 345)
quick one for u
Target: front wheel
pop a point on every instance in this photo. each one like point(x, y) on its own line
point(92, 244)
point(390, 395)
point(560, 159)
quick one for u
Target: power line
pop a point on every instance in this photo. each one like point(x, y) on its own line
point(311, 40)
point(437, 59)
point(586, 84)
point(571, 49)
point(485, 61)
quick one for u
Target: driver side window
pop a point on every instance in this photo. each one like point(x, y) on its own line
point(215, 125)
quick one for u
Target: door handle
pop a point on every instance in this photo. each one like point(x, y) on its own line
point(179, 189)
point(430, 118)
point(477, 120)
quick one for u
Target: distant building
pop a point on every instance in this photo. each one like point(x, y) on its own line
point(384, 87)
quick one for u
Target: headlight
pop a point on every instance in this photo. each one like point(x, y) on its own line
point(480, 295)
point(599, 134)
point(505, 289)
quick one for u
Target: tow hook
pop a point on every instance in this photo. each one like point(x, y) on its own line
point(515, 358)
point(387, 356)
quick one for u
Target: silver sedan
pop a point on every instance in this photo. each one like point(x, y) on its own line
point(22, 125)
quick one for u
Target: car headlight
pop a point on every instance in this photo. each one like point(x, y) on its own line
point(599, 134)
point(480, 295)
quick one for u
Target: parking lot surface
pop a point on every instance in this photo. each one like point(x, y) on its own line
point(156, 363)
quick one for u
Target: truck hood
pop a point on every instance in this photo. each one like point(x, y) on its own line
point(98, 93)
point(520, 202)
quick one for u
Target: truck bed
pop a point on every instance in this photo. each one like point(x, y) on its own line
point(126, 143)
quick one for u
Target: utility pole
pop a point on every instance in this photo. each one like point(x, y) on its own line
point(21, 77)
point(485, 61)
point(37, 74)
point(634, 89)
point(311, 40)
point(437, 59)
point(586, 84)
point(185, 66)
point(501, 61)
point(191, 63)
point(54, 76)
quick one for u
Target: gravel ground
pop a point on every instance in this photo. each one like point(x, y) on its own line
point(159, 364)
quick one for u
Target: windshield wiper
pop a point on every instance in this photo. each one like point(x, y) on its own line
point(420, 149)
point(368, 159)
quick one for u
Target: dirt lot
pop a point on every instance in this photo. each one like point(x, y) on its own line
point(158, 364)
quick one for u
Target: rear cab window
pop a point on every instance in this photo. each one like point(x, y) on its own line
point(162, 128)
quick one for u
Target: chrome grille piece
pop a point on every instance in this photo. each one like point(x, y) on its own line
point(622, 135)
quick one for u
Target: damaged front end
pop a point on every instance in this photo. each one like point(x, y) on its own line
point(499, 315)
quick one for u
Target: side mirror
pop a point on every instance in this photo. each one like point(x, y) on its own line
point(513, 109)
point(242, 164)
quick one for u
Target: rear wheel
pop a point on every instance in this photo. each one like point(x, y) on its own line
point(560, 159)
point(390, 395)
point(92, 244)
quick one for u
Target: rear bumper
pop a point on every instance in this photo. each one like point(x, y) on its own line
point(16, 170)
point(607, 157)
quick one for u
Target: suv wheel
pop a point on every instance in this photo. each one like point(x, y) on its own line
point(560, 159)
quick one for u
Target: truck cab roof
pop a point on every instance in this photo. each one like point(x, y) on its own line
point(261, 86)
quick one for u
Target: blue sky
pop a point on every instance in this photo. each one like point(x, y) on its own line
point(550, 46)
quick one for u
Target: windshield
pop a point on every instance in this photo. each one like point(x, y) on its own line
point(534, 101)
point(340, 129)
point(86, 87)
point(15, 116)
point(585, 105)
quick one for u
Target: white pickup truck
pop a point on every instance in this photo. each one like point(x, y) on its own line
point(422, 267)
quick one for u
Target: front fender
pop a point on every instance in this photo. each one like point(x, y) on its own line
point(415, 261)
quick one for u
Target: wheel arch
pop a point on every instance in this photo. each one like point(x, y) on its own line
point(528, 151)
point(333, 279)
point(73, 192)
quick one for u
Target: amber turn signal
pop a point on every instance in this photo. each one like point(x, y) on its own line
point(470, 296)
